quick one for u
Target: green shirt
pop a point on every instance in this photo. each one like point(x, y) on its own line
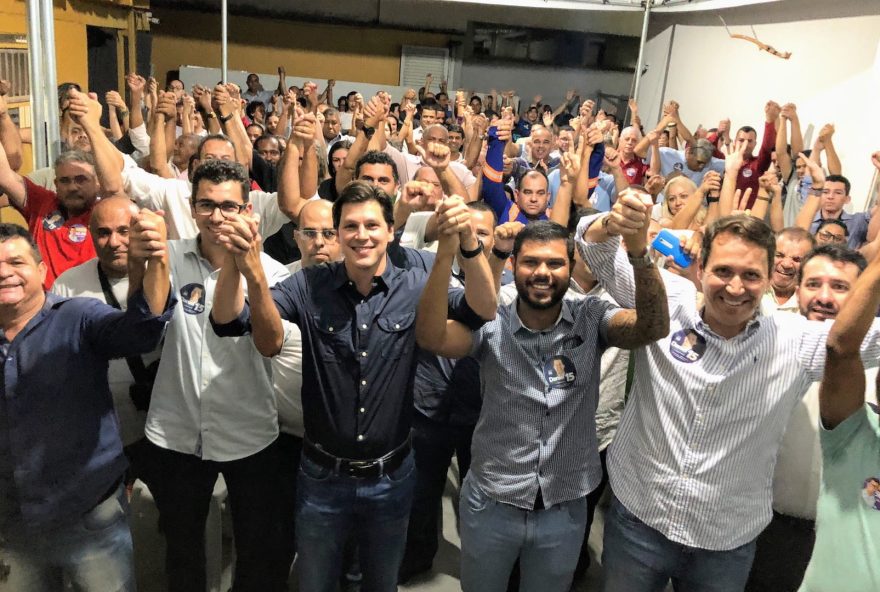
point(846, 557)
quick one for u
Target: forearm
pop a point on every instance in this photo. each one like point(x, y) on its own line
point(562, 206)
point(158, 151)
point(170, 131)
point(777, 219)
point(10, 139)
point(808, 212)
point(346, 173)
point(136, 115)
point(237, 134)
point(651, 319)
point(113, 120)
point(683, 132)
point(726, 199)
point(433, 309)
point(289, 198)
point(783, 160)
point(683, 219)
point(873, 228)
point(228, 295)
point(157, 284)
point(108, 161)
point(308, 172)
point(834, 166)
point(187, 123)
point(797, 139)
point(472, 151)
point(479, 286)
point(451, 184)
point(606, 260)
point(268, 334)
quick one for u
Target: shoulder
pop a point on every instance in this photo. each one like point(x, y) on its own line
point(77, 279)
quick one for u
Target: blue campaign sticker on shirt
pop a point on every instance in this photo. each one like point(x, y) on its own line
point(77, 233)
point(53, 221)
point(678, 166)
point(871, 492)
point(193, 298)
point(559, 372)
point(687, 346)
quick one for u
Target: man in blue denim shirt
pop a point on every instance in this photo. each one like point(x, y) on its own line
point(357, 322)
point(62, 506)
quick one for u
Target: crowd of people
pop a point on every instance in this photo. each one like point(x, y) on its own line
point(325, 299)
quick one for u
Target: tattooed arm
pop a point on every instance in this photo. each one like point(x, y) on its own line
point(629, 329)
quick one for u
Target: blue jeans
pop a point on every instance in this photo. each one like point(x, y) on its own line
point(493, 535)
point(94, 553)
point(637, 558)
point(330, 507)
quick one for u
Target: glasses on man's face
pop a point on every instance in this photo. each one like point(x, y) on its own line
point(328, 234)
point(206, 207)
point(830, 237)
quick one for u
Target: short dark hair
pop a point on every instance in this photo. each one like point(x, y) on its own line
point(441, 94)
point(362, 192)
point(837, 253)
point(544, 231)
point(747, 129)
point(454, 128)
point(796, 233)
point(336, 147)
point(838, 179)
point(376, 157)
point(531, 172)
point(477, 97)
point(747, 228)
point(833, 222)
point(211, 137)
point(431, 105)
point(9, 231)
point(253, 106)
point(482, 206)
point(221, 171)
point(265, 137)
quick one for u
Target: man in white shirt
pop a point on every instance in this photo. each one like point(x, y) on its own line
point(213, 408)
point(255, 91)
point(792, 246)
point(692, 463)
point(825, 281)
point(106, 278)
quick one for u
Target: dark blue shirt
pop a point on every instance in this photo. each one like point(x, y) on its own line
point(60, 435)
point(359, 353)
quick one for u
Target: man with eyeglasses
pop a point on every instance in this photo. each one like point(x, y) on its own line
point(832, 232)
point(212, 409)
point(316, 238)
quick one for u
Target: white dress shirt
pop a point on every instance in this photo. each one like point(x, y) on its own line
point(696, 448)
point(213, 396)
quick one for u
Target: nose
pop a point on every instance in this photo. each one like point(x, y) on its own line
point(735, 286)
point(362, 233)
point(115, 240)
point(319, 239)
point(217, 215)
point(824, 294)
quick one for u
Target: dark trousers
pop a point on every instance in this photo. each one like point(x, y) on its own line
point(592, 501)
point(434, 444)
point(289, 450)
point(182, 485)
point(782, 554)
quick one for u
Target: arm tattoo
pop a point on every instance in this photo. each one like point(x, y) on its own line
point(650, 319)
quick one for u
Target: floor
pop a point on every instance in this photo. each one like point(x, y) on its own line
point(149, 548)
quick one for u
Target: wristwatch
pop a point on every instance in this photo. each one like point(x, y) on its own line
point(640, 261)
point(225, 118)
point(210, 115)
point(501, 255)
point(474, 253)
point(368, 131)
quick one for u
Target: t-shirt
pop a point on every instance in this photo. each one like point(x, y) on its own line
point(63, 242)
point(675, 160)
point(845, 557)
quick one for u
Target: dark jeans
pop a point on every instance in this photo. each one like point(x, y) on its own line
point(434, 444)
point(289, 451)
point(331, 506)
point(782, 554)
point(182, 485)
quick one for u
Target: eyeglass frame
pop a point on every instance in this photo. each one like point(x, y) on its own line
point(329, 235)
point(217, 206)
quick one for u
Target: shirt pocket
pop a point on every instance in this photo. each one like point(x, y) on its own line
point(396, 334)
point(332, 338)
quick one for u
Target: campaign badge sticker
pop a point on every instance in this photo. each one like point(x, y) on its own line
point(559, 372)
point(747, 173)
point(53, 221)
point(687, 346)
point(871, 492)
point(77, 233)
point(678, 166)
point(193, 298)
point(631, 172)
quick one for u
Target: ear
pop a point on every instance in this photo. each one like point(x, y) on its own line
point(43, 269)
point(249, 208)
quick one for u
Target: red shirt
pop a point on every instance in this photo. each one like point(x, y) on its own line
point(63, 243)
point(634, 170)
point(755, 166)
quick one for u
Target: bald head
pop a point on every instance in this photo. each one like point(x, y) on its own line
point(109, 226)
point(316, 237)
point(435, 133)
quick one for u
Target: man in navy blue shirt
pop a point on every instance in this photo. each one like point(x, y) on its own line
point(359, 357)
point(62, 504)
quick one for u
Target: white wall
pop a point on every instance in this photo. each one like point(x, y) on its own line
point(549, 82)
point(833, 76)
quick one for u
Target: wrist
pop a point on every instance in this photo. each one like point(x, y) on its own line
point(605, 221)
point(501, 255)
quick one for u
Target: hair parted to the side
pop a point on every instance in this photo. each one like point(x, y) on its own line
point(748, 228)
point(358, 192)
point(544, 231)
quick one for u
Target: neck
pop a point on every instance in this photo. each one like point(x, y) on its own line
point(215, 254)
point(724, 330)
point(14, 318)
point(831, 213)
point(782, 296)
point(537, 319)
point(112, 273)
point(363, 278)
point(587, 282)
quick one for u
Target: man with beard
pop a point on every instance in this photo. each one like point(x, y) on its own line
point(826, 279)
point(792, 245)
point(535, 454)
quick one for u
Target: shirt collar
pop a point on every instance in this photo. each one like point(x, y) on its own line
point(383, 281)
point(753, 325)
point(516, 323)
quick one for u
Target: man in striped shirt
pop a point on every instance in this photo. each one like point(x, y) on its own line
point(535, 455)
point(691, 466)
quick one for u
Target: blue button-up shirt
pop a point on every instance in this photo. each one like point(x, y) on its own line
point(60, 435)
point(359, 353)
point(857, 224)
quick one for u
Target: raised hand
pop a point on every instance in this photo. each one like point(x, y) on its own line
point(304, 127)
point(826, 132)
point(417, 195)
point(547, 119)
point(772, 111)
point(612, 157)
point(655, 184)
point(734, 161)
point(814, 170)
point(789, 111)
point(630, 217)
point(768, 181)
point(711, 182)
point(167, 105)
point(240, 236)
point(505, 235)
point(4, 88)
point(136, 84)
point(84, 109)
point(875, 160)
point(741, 201)
point(571, 166)
point(436, 155)
point(504, 129)
point(147, 235)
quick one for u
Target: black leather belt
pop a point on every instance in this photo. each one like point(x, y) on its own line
point(361, 469)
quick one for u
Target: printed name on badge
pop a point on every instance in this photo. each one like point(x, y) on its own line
point(687, 346)
point(559, 372)
point(193, 298)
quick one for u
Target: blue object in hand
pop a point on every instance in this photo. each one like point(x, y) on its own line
point(668, 244)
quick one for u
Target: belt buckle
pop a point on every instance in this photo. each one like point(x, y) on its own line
point(357, 466)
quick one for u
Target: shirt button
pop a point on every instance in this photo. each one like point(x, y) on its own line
point(363, 354)
point(363, 383)
point(396, 326)
point(360, 437)
point(363, 410)
point(363, 327)
point(330, 329)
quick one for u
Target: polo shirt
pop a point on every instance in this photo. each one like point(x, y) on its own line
point(675, 160)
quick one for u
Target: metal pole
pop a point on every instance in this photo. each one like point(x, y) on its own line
point(38, 102)
point(224, 42)
point(644, 39)
point(50, 79)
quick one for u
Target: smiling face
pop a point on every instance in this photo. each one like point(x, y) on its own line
point(380, 175)
point(734, 278)
point(542, 143)
point(21, 276)
point(541, 273)
point(109, 227)
point(364, 236)
point(677, 195)
point(825, 286)
point(789, 254)
point(217, 193)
